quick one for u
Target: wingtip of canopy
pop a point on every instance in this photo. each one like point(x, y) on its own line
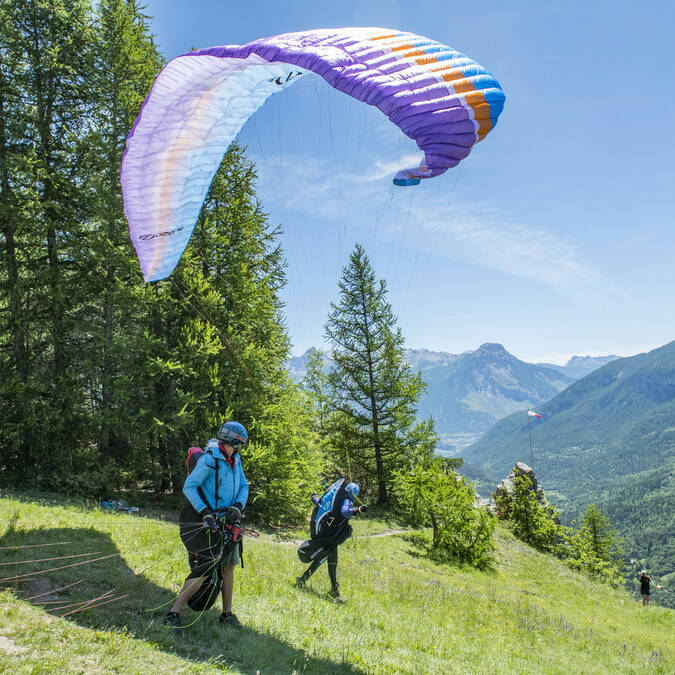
point(406, 181)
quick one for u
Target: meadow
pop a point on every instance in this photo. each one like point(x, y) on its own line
point(403, 613)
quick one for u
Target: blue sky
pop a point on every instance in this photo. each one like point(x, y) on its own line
point(554, 237)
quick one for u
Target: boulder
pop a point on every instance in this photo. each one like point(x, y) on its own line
point(480, 502)
point(520, 469)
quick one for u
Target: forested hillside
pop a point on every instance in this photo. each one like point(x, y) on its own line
point(610, 439)
point(105, 381)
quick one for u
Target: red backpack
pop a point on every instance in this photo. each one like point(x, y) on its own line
point(194, 453)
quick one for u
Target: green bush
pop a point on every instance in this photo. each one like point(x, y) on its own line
point(533, 522)
point(434, 495)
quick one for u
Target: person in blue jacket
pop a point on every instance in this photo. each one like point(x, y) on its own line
point(205, 502)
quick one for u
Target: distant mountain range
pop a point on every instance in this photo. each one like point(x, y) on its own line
point(474, 390)
point(607, 433)
point(608, 438)
point(467, 393)
point(579, 366)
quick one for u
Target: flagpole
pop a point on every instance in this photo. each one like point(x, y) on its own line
point(529, 429)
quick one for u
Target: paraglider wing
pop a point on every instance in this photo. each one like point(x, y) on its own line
point(440, 98)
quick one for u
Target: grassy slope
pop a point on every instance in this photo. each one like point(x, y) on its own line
point(403, 612)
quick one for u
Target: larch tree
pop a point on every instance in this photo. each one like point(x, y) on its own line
point(106, 380)
point(124, 66)
point(219, 345)
point(315, 383)
point(594, 547)
point(374, 391)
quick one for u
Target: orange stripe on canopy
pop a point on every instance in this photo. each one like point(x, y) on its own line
point(384, 37)
point(463, 86)
point(414, 52)
point(449, 73)
point(400, 48)
point(425, 60)
point(481, 112)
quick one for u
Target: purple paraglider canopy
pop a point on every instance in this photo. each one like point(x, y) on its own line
point(443, 100)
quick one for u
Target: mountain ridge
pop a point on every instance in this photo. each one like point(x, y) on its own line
point(468, 392)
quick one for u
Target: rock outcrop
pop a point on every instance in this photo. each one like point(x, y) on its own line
point(507, 486)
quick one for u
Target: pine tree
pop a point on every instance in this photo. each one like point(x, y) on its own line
point(105, 380)
point(46, 53)
point(432, 493)
point(594, 547)
point(217, 350)
point(15, 195)
point(374, 392)
point(125, 65)
point(535, 522)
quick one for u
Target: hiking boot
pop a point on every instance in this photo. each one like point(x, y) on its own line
point(335, 594)
point(300, 582)
point(230, 620)
point(173, 619)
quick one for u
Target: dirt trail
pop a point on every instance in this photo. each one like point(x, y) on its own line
point(297, 542)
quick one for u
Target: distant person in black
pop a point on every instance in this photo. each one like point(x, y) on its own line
point(644, 587)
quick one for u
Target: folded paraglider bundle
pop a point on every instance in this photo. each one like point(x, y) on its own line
point(328, 527)
point(204, 598)
point(230, 535)
point(317, 548)
point(327, 514)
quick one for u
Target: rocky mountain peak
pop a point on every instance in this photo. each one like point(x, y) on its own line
point(590, 362)
point(492, 350)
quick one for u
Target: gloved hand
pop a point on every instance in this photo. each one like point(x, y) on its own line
point(209, 522)
point(232, 515)
point(362, 509)
point(315, 498)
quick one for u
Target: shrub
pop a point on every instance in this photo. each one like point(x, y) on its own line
point(432, 494)
point(532, 521)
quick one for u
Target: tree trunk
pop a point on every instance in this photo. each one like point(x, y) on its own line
point(434, 527)
point(163, 484)
point(377, 447)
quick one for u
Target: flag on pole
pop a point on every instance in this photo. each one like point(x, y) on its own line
point(531, 413)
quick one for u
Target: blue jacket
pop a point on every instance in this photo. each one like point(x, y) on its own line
point(232, 484)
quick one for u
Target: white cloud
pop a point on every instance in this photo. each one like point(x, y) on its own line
point(476, 233)
point(382, 169)
point(480, 235)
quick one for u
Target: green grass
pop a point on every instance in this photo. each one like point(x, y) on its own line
point(404, 613)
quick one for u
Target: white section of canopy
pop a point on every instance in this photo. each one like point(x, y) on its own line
point(196, 108)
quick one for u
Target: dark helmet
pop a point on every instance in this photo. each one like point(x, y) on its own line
point(233, 434)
